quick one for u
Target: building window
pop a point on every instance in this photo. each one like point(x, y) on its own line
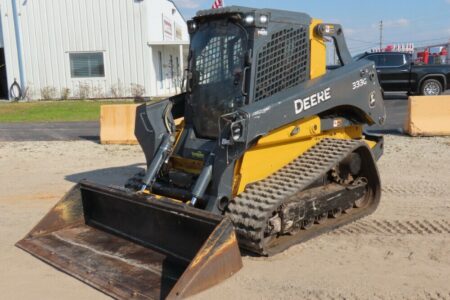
point(84, 65)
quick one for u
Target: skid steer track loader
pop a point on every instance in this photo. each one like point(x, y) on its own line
point(270, 152)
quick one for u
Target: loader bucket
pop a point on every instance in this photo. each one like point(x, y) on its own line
point(131, 246)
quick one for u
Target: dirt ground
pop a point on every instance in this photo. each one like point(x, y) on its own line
point(400, 252)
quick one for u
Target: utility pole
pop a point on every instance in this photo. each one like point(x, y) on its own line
point(381, 35)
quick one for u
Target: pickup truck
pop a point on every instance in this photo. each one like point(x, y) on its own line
point(398, 73)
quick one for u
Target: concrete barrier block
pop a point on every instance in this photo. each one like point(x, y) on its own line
point(117, 124)
point(428, 116)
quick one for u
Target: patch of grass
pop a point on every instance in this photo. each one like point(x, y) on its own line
point(52, 111)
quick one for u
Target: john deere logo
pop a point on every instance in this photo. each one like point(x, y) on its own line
point(311, 101)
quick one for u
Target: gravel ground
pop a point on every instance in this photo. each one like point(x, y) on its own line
point(400, 252)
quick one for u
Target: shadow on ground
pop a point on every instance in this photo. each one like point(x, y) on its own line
point(109, 176)
point(91, 138)
point(382, 131)
point(395, 96)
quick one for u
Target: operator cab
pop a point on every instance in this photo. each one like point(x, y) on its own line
point(216, 63)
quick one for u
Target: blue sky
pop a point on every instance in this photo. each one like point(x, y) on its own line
point(418, 21)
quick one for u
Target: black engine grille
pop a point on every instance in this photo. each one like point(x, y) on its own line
point(282, 62)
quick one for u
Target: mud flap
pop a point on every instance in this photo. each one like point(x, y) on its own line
point(130, 246)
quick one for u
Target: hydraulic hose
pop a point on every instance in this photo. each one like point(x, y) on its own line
point(15, 91)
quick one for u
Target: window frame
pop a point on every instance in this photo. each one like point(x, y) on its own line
point(90, 68)
point(405, 61)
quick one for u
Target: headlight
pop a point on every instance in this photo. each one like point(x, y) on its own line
point(263, 19)
point(236, 131)
point(249, 19)
point(192, 26)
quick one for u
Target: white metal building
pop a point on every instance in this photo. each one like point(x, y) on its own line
point(94, 48)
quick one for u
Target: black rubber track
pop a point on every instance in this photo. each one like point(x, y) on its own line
point(251, 210)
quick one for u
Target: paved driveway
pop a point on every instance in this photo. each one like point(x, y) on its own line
point(396, 105)
point(55, 131)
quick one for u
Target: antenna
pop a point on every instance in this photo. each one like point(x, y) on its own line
point(381, 35)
